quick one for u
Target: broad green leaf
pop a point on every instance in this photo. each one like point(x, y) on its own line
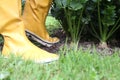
point(75, 5)
point(109, 16)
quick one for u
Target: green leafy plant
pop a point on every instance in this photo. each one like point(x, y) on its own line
point(106, 23)
point(72, 16)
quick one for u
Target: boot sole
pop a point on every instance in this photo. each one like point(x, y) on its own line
point(38, 39)
point(47, 61)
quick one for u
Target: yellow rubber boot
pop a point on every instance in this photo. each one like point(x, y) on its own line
point(15, 40)
point(34, 17)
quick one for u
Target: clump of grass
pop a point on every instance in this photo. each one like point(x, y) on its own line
point(73, 65)
point(52, 23)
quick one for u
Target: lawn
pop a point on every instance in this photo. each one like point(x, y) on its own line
point(72, 65)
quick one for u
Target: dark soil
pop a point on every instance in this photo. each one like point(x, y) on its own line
point(56, 47)
point(85, 43)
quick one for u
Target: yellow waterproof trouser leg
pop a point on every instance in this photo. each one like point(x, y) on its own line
point(13, 32)
point(34, 17)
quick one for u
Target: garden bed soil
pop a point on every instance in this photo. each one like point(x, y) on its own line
point(85, 43)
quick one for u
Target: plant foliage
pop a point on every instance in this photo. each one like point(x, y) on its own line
point(71, 16)
point(102, 17)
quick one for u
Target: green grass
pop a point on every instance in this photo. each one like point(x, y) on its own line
point(52, 24)
point(75, 65)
